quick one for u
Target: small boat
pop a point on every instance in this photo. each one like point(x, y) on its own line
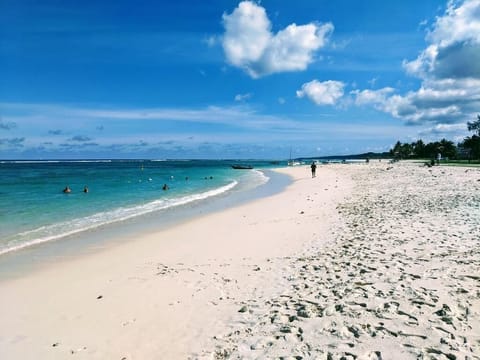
point(292, 162)
point(242, 167)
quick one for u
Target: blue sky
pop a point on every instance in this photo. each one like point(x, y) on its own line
point(233, 79)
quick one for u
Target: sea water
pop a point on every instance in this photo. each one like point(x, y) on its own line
point(34, 210)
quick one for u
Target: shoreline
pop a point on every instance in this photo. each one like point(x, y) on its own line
point(371, 261)
point(167, 283)
point(19, 262)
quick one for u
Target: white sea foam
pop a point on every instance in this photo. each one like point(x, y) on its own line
point(60, 230)
point(263, 179)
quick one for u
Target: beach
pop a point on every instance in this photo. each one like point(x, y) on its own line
point(365, 261)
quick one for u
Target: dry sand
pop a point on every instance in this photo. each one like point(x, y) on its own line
point(372, 261)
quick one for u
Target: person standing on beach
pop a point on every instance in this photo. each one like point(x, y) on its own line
point(314, 168)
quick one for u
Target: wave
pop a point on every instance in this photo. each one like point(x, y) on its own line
point(263, 179)
point(60, 230)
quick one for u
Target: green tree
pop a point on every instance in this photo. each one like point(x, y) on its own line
point(474, 126)
point(447, 148)
point(431, 150)
point(419, 149)
point(406, 151)
point(396, 150)
point(472, 143)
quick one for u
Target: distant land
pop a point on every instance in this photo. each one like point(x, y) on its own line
point(369, 155)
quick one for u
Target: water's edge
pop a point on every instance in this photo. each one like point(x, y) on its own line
point(20, 262)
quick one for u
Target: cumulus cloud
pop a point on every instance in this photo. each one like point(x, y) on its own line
point(322, 93)
point(445, 129)
point(375, 97)
point(454, 49)
point(449, 68)
point(249, 43)
point(439, 101)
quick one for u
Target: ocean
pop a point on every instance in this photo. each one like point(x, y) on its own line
point(34, 210)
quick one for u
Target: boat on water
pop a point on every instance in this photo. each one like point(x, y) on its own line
point(292, 162)
point(242, 167)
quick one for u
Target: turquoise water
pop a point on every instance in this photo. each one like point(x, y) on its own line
point(34, 210)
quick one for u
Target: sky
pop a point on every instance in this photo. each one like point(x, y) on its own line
point(234, 79)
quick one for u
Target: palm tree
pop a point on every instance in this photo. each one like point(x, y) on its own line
point(472, 143)
point(474, 125)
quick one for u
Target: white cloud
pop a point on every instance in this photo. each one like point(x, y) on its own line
point(80, 138)
point(243, 97)
point(37, 116)
point(372, 97)
point(423, 23)
point(373, 81)
point(247, 34)
point(119, 140)
point(12, 142)
point(458, 25)
point(7, 125)
point(322, 93)
point(449, 68)
point(454, 50)
point(438, 101)
point(446, 128)
point(340, 45)
point(211, 41)
point(249, 43)
point(456, 132)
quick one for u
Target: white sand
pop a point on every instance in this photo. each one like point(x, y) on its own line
point(360, 262)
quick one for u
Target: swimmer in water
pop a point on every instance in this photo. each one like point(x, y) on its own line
point(67, 190)
point(85, 189)
point(165, 187)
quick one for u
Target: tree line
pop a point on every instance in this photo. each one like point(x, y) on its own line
point(469, 148)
